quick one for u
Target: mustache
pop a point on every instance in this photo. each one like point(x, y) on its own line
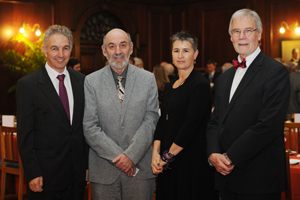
point(120, 55)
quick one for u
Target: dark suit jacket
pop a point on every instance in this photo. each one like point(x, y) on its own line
point(250, 127)
point(215, 82)
point(216, 75)
point(294, 106)
point(49, 146)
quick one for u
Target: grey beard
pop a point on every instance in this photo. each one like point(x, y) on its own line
point(115, 65)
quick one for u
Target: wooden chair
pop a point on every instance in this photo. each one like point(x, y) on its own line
point(292, 130)
point(89, 191)
point(288, 192)
point(11, 161)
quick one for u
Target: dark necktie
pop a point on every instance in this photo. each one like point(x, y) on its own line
point(121, 90)
point(238, 64)
point(63, 95)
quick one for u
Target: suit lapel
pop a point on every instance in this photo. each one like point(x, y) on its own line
point(229, 84)
point(253, 69)
point(130, 79)
point(110, 83)
point(49, 91)
point(76, 89)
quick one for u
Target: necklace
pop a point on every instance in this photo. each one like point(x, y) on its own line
point(180, 84)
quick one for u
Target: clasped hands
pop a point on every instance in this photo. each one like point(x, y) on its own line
point(222, 163)
point(126, 165)
point(157, 164)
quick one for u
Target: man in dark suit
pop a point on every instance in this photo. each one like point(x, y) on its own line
point(212, 75)
point(245, 134)
point(294, 106)
point(50, 132)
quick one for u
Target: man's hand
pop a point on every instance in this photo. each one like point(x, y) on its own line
point(36, 184)
point(123, 162)
point(131, 172)
point(222, 164)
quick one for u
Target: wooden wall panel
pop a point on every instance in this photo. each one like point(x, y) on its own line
point(151, 23)
point(216, 43)
point(282, 11)
point(154, 38)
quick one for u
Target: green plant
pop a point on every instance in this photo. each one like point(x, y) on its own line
point(23, 64)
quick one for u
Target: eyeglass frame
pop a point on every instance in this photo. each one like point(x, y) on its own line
point(247, 32)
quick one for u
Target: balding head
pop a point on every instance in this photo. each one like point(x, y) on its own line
point(163, 63)
point(117, 47)
point(169, 68)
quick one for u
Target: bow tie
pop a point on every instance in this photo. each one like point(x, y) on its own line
point(238, 64)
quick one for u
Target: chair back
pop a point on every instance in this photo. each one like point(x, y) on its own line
point(9, 148)
point(293, 140)
point(288, 192)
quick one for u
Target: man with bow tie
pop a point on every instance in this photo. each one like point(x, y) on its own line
point(245, 134)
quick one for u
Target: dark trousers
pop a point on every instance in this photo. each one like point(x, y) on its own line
point(73, 192)
point(229, 195)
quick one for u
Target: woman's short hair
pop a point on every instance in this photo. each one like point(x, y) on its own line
point(185, 36)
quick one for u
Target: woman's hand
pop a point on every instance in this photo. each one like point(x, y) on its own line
point(157, 164)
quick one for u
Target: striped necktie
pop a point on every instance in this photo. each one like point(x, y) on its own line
point(121, 90)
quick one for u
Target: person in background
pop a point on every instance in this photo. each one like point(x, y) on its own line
point(295, 56)
point(226, 66)
point(121, 112)
point(163, 63)
point(179, 148)
point(170, 71)
point(131, 60)
point(50, 105)
point(161, 81)
point(245, 135)
point(74, 64)
point(212, 74)
point(138, 62)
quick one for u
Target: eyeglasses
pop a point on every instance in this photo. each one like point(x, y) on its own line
point(247, 32)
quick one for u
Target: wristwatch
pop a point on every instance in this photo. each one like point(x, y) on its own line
point(170, 154)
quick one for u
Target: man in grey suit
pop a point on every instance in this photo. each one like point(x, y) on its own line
point(121, 112)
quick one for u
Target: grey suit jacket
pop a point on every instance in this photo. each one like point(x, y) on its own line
point(112, 128)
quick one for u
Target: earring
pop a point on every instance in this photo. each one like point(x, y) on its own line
point(194, 61)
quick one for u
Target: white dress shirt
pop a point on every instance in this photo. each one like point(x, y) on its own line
point(67, 81)
point(240, 72)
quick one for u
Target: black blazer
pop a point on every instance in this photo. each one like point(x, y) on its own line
point(250, 127)
point(49, 146)
point(216, 75)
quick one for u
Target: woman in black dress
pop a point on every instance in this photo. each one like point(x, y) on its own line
point(179, 149)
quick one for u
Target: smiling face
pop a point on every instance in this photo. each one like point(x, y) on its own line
point(117, 48)
point(245, 45)
point(57, 51)
point(183, 54)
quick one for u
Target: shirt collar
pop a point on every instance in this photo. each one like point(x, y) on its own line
point(53, 73)
point(250, 58)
